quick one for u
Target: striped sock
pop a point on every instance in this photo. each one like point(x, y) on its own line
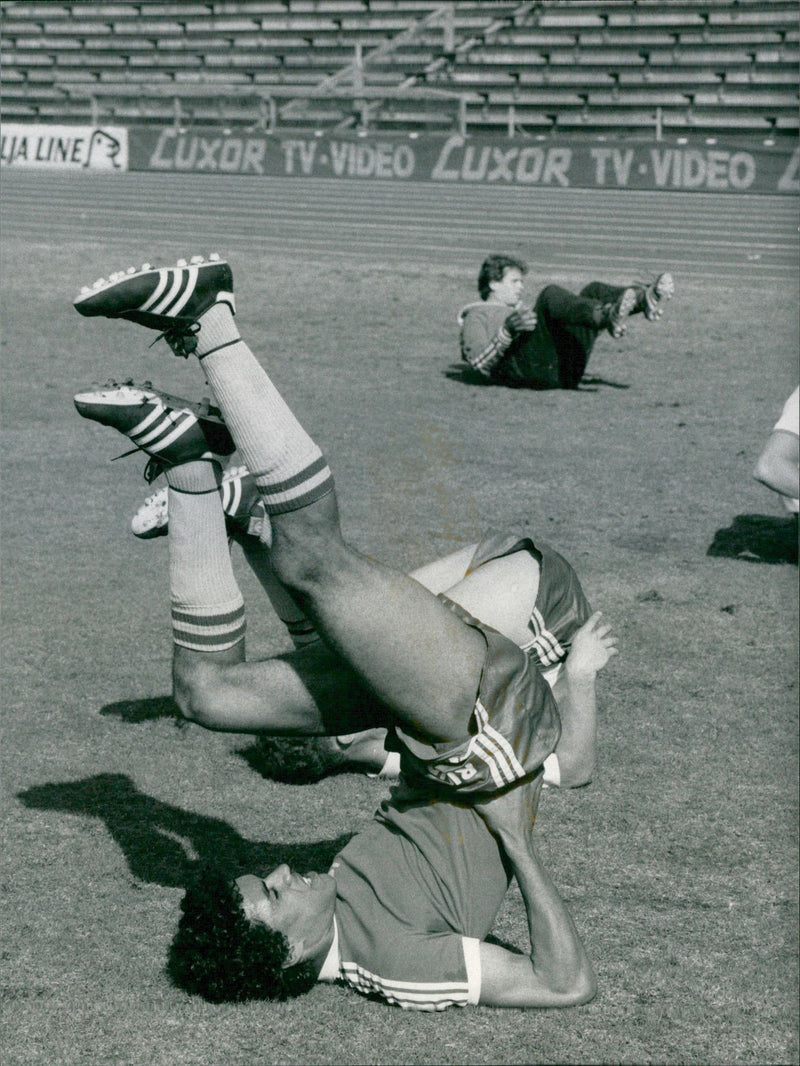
point(207, 606)
point(287, 466)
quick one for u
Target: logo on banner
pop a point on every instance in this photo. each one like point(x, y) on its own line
point(104, 151)
point(67, 147)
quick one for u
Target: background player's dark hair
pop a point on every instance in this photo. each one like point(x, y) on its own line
point(219, 955)
point(493, 268)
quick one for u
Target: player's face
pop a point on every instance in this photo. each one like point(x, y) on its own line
point(509, 289)
point(299, 906)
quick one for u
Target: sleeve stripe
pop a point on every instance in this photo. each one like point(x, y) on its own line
point(411, 995)
point(485, 360)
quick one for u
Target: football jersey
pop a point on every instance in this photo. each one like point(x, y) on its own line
point(415, 894)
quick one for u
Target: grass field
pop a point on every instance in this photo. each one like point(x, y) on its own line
point(679, 862)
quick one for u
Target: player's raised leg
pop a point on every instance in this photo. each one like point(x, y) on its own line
point(411, 651)
point(415, 655)
point(213, 685)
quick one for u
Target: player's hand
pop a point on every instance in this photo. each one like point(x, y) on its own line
point(592, 647)
point(512, 813)
point(521, 321)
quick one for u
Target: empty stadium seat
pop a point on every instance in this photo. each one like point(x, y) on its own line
point(556, 63)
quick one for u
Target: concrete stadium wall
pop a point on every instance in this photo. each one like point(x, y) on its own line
point(667, 165)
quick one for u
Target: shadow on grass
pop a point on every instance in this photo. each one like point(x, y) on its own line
point(590, 381)
point(756, 538)
point(295, 760)
point(165, 845)
point(135, 711)
point(466, 375)
point(289, 760)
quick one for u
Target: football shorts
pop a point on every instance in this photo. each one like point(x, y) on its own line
point(514, 727)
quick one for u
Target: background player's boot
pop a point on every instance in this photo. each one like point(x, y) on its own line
point(167, 428)
point(169, 299)
point(240, 502)
point(652, 296)
point(615, 314)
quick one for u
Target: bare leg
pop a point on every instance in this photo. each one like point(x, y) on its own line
point(309, 692)
point(418, 659)
point(313, 692)
point(501, 593)
point(421, 661)
point(259, 558)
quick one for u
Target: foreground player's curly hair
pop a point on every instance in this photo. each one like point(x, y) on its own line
point(493, 268)
point(219, 955)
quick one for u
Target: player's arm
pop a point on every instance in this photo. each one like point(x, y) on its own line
point(779, 463)
point(575, 692)
point(557, 973)
point(481, 348)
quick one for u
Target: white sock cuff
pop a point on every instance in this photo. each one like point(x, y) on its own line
point(308, 484)
point(211, 628)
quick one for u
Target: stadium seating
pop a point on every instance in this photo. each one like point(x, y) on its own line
point(636, 66)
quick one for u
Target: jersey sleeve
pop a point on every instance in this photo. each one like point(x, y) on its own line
point(483, 342)
point(420, 971)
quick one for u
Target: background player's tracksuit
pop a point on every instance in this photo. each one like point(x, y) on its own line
point(555, 354)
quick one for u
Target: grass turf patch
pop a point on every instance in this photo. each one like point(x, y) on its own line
point(679, 862)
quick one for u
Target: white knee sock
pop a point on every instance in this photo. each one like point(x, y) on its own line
point(288, 467)
point(207, 606)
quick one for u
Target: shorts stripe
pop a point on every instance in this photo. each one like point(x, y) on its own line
point(492, 748)
point(501, 754)
point(545, 645)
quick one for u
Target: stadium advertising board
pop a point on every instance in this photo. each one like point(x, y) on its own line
point(64, 147)
point(698, 167)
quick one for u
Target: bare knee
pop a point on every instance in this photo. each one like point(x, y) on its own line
point(307, 545)
point(307, 555)
point(196, 685)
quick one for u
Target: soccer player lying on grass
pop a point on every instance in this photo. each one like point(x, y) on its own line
point(547, 347)
point(527, 591)
point(407, 906)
